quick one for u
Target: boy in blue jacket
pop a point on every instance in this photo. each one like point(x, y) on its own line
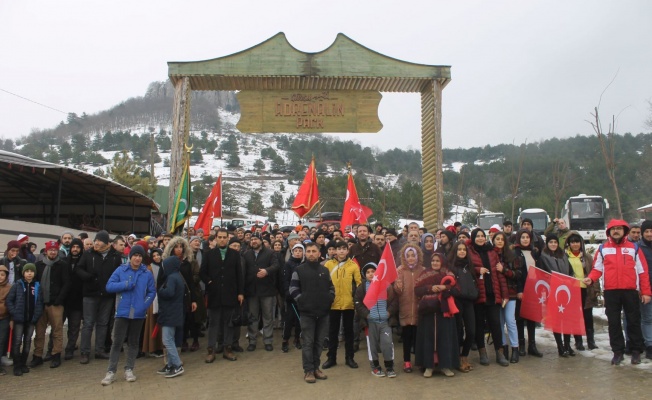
point(135, 289)
point(25, 304)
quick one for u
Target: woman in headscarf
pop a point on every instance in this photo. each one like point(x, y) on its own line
point(526, 258)
point(428, 246)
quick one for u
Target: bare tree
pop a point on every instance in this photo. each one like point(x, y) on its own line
point(607, 146)
point(648, 121)
point(515, 177)
point(561, 181)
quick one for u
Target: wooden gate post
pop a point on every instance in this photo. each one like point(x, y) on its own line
point(180, 133)
point(431, 155)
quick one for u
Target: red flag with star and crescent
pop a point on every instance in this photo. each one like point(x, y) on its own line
point(212, 208)
point(385, 275)
point(564, 313)
point(308, 195)
point(354, 212)
point(535, 294)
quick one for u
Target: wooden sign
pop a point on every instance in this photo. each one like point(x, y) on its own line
point(314, 111)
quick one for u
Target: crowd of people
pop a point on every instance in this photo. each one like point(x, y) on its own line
point(457, 290)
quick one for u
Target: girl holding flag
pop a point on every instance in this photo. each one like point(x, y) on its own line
point(525, 258)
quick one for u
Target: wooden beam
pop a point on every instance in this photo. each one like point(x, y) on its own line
point(431, 154)
point(180, 132)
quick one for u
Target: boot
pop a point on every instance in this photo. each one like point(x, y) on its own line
point(18, 371)
point(506, 350)
point(532, 349)
point(521, 347)
point(484, 360)
point(463, 364)
point(500, 358)
point(36, 361)
point(648, 352)
point(210, 357)
point(48, 356)
point(228, 354)
point(578, 343)
point(569, 350)
point(515, 354)
point(23, 364)
point(285, 346)
point(590, 340)
point(562, 350)
point(56, 361)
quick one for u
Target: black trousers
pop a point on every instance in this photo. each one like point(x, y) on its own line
point(465, 320)
point(521, 323)
point(409, 335)
point(291, 320)
point(334, 330)
point(491, 314)
point(628, 300)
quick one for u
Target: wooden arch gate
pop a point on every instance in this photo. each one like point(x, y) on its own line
point(345, 70)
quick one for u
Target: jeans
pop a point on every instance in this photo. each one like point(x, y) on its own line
point(266, 306)
point(168, 335)
point(53, 316)
point(97, 311)
point(314, 330)
point(508, 317)
point(646, 323)
point(334, 328)
point(125, 328)
point(614, 301)
point(22, 335)
point(219, 319)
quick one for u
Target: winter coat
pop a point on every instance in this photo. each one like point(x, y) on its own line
point(170, 300)
point(646, 248)
point(135, 291)
point(592, 290)
point(312, 289)
point(498, 280)
point(95, 271)
point(224, 279)
point(521, 265)
point(364, 254)
point(59, 280)
point(4, 292)
point(512, 275)
point(190, 273)
point(288, 269)
point(18, 301)
point(548, 262)
point(260, 287)
point(75, 296)
point(362, 312)
point(622, 266)
point(18, 266)
point(408, 303)
point(346, 278)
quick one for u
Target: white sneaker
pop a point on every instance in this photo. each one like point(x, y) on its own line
point(108, 379)
point(129, 375)
point(7, 362)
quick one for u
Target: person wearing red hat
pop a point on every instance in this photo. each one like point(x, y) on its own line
point(625, 275)
point(53, 272)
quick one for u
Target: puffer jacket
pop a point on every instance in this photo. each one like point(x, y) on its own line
point(622, 266)
point(135, 291)
point(346, 278)
point(498, 280)
point(408, 304)
point(18, 301)
point(170, 299)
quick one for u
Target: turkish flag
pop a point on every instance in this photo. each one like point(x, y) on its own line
point(212, 207)
point(308, 194)
point(385, 275)
point(354, 212)
point(565, 306)
point(535, 294)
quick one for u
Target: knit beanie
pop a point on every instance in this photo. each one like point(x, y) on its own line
point(77, 242)
point(137, 249)
point(51, 244)
point(647, 224)
point(367, 266)
point(13, 244)
point(29, 267)
point(551, 236)
point(102, 236)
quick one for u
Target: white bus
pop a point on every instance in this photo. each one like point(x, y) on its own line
point(586, 215)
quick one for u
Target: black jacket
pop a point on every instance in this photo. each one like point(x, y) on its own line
point(312, 289)
point(95, 271)
point(18, 266)
point(288, 269)
point(75, 297)
point(170, 300)
point(267, 260)
point(59, 281)
point(224, 279)
point(370, 252)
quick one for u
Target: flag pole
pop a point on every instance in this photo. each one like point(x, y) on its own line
point(221, 201)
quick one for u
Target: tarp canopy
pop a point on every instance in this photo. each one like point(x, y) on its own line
point(38, 191)
point(647, 208)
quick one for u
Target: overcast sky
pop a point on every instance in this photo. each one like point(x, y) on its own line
point(520, 69)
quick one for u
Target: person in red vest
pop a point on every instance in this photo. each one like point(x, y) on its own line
point(626, 286)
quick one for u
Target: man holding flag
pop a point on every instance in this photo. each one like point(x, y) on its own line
point(311, 287)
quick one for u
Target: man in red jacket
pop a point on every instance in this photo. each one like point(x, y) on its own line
point(626, 285)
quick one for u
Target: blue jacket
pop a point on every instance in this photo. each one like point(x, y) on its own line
point(170, 300)
point(17, 300)
point(135, 291)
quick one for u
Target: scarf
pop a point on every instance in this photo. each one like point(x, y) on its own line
point(45, 279)
point(447, 301)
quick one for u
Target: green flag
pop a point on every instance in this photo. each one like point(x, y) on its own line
point(182, 209)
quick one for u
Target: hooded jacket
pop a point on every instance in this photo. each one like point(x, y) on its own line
point(170, 295)
point(346, 278)
point(135, 291)
point(623, 267)
point(4, 292)
point(408, 303)
point(18, 301)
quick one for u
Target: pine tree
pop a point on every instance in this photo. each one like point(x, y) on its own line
point(233, 160)
point(255, 204)
point(259, 166)
point(277, 200)
point(128, 173)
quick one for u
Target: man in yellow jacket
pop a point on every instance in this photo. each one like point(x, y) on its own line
point(345, 274)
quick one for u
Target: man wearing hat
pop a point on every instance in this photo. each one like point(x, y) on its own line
point(625, 275)
point(13, 262)
point(261, 267)
point(94, 269)
point(645, 244)
point(137, 290)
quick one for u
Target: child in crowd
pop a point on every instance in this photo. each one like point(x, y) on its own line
point(4, 313)
point(377, 325)
point(25, 303)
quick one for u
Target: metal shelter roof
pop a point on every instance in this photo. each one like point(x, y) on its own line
point(33, 189)
point(276, 64)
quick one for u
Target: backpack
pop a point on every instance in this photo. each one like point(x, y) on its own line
point(467, 285)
